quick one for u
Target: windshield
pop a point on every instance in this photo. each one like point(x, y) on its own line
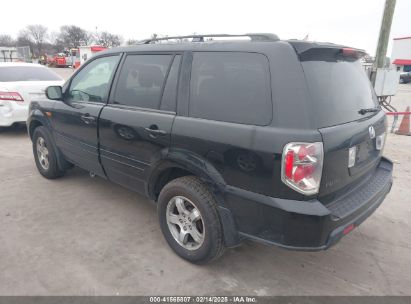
point(26, 73)
point(339, 89)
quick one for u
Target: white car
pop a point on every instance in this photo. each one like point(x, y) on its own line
point(19, 83)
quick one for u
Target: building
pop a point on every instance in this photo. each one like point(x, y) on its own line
point(401, 54)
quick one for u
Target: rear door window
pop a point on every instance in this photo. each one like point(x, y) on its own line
point(231, 87)
point(141, 81)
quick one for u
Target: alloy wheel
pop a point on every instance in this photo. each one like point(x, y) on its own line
point(42, 153)
point(185, 223)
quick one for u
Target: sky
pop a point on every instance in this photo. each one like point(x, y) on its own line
point(354, 23)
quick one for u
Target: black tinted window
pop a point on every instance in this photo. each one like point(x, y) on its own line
point(141, 80)
point(27, 73)
point(232, 87)
point(339, 89)
point(168, 102)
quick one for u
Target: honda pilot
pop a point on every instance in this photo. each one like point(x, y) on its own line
point(234, 137)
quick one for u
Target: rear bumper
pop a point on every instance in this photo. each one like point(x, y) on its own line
point(11, 112)
point(307, 225)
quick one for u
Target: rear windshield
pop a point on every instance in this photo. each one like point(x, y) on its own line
point(339, 89)
point(26, 73)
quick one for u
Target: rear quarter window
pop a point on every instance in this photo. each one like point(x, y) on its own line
point(231, 87)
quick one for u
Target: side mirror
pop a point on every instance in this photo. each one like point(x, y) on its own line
point(54, 93)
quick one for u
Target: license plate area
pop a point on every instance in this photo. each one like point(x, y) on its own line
point(367, 156)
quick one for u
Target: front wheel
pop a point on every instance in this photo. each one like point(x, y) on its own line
point(189, 220)
point(44, 154)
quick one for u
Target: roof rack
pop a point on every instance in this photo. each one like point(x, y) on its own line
point(200, 38)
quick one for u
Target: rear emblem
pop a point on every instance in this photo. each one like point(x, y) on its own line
point(371, 131)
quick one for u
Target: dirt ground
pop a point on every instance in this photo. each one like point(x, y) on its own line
point(83, 236)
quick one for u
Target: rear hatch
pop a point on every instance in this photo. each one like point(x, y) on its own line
point(346, 113)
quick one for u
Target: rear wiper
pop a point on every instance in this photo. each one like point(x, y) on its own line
point(369, 110)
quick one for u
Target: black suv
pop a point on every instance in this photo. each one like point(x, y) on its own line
point(263, 139)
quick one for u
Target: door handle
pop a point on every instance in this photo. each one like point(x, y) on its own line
point(154, 131)
point(87, 119)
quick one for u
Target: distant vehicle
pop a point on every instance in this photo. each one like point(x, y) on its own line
point(62, 60)
point(83, 53)
point(275, 141)
point(19, 83)
point(75, 56)
point(405, 77)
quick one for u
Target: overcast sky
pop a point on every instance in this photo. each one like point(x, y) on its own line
point(351, 22)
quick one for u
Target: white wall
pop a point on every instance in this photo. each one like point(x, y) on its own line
point(401, 49)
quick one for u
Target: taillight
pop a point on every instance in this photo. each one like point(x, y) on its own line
point(11, 96)
point(354, 53)
point(302, 165)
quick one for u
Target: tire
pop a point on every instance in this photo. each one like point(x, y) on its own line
point(45, 157)
point(209, 234)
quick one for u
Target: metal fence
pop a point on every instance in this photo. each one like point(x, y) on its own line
point(24, 53)
point(15, 54)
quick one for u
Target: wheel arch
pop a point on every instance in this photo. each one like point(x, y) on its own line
point(36, 119)
point(177, 164)
point(33, 125)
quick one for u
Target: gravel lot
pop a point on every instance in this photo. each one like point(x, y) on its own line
point(83, 236)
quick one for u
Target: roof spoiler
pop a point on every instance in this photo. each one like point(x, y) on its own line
point(200, 38)
point(321, 51)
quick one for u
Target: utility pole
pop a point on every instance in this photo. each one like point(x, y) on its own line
point(384, 37)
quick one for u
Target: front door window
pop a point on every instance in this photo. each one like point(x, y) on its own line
point(92, 83)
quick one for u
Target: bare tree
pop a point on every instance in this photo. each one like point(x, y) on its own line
point(56, 41)
point(74, 36)
point(132, 41)
point(24, 39)
point(7, 40)
point(38, 34)
point(107, 39)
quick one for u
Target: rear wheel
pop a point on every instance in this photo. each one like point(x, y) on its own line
point(44, 154)
point(189, 220)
